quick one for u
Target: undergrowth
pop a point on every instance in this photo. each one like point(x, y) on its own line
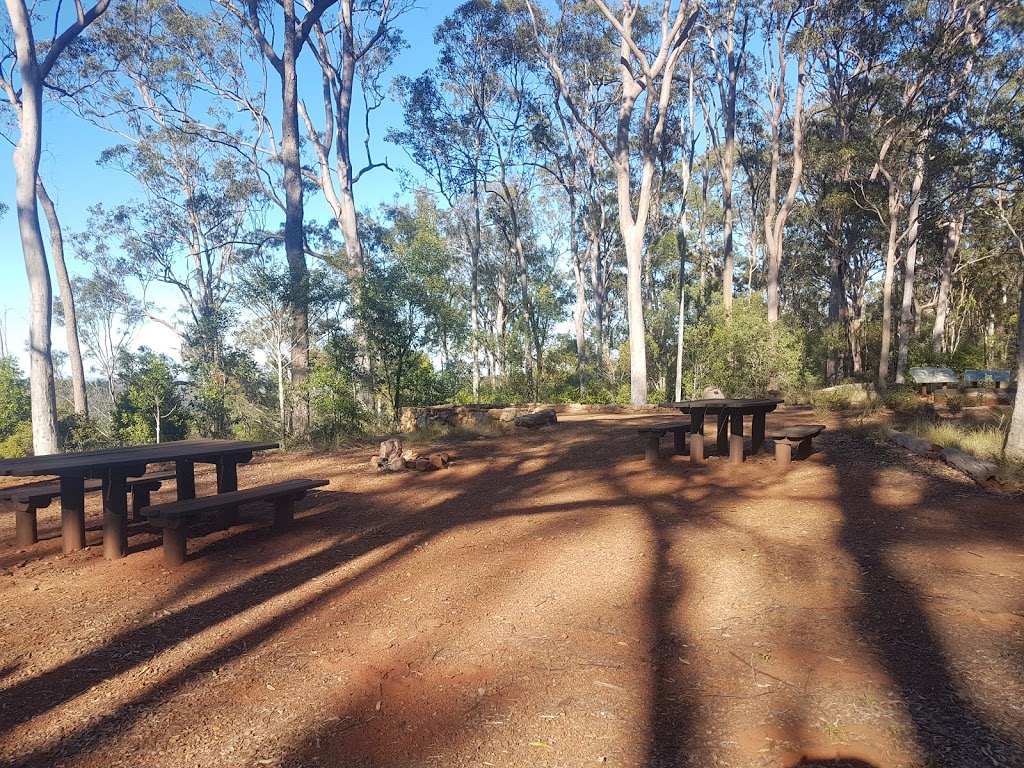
point(984, 442)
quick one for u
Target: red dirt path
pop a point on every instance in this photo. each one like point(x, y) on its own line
point(548, 600)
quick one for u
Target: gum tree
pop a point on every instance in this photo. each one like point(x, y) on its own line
point(26, 65)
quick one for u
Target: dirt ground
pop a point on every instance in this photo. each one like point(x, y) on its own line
point(549, 600)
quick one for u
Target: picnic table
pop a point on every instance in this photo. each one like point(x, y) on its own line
point(730, 413)
point(114, 466)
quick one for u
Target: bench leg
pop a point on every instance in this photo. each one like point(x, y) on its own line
point(736, 449)
point(783, 455)
point(804, 449)
point(697, 448)
point(651, 452)
point(174, 546)
point(26, 530)
point(284, 511)
point(679, 442)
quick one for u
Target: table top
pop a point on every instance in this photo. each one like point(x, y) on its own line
point(93, 463)
point(721, 404)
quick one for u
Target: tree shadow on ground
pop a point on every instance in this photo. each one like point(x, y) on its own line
point(373, 534)
point(357, 534)
point(949, 727)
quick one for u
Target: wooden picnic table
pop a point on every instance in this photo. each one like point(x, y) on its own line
point(730, 413)
point(114, 466)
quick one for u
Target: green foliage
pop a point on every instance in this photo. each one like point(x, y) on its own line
point(77, 433)
point(15, 410)
point(742, 352)
point(150, 409)
point(904, 401)
point(335, 410)
point(17, 443)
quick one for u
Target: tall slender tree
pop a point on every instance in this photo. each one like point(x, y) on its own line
point(647, 64)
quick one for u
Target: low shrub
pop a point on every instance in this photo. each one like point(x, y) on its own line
point(904, 401)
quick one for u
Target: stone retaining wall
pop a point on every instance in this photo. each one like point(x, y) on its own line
point(483, 414)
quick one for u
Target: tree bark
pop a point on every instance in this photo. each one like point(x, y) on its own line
point(776, 216)
point(26, 170)
point(294, 240)
point(1014, 447)
point(910, 269)
point(887, 285)
point(580, 309)
point(67, 300)
point(950, 246)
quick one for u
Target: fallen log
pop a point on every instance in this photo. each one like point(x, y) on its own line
point(984, 473)
point(915, 444)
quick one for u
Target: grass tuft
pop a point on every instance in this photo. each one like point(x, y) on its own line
point(984, 442)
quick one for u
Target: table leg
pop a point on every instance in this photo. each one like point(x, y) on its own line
point(185, 478)
point(115, 516)
point(72, 513)
point(722, 445)
point(757, 433)
point(697, 421)
point(227, 481)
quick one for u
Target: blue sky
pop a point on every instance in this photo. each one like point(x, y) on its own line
point(71, 148)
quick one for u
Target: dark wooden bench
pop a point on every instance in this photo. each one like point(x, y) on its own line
point(798, 435)
point(28, 499)
point(176, 517)
point(655, 432)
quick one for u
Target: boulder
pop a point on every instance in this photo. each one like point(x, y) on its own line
point(536, 419)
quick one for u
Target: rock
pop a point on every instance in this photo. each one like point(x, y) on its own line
point(423, 464)
point(391, 449)
point(396, 464)
point(410, 455)
point(915, 444)
point(537, 419)
point(438, 461)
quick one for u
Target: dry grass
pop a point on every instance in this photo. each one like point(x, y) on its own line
point(985, 442)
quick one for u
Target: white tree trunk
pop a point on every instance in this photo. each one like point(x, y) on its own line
point(950, 246)
point(910, 269)
point(26, 170)
point(887, 284)
point(67, 300)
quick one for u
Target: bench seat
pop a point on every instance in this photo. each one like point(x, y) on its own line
point(655, 432)
point(28, 499)
point(798, 436)
point(176, 517)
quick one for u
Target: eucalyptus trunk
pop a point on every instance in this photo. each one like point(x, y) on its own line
point(294, 242)
point(950, 246)
point(910, 270)
point(887, 286)
point(67, 300)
